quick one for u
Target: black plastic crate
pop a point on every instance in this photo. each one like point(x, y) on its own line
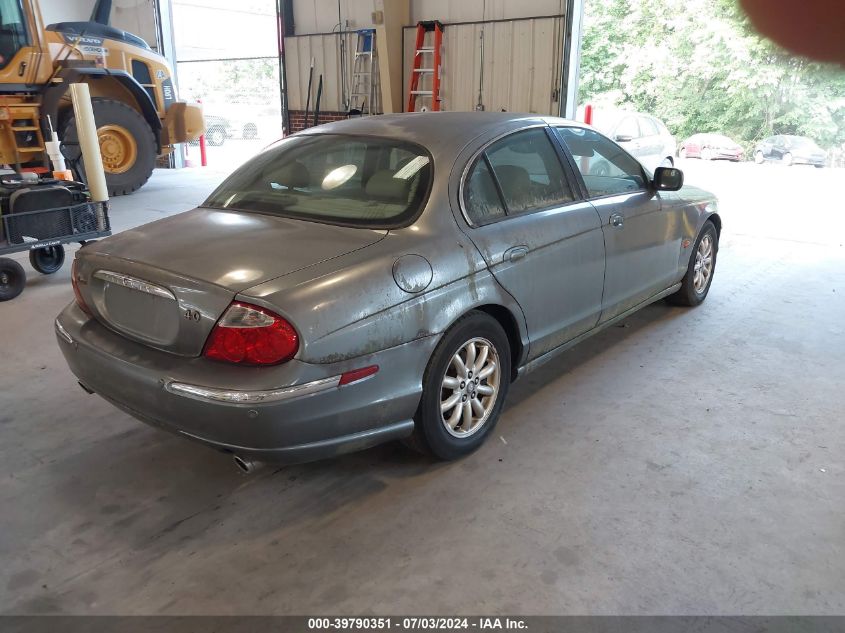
point(79, 219)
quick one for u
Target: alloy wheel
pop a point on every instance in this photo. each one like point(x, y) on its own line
point(703, 264)
point(470, 388)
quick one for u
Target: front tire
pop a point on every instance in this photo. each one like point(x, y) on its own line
point(788, 159)
point(464, 388)
point(215, 137)
point(127, 144)
point(759, 158)
point(702, 265)
point(12, 279)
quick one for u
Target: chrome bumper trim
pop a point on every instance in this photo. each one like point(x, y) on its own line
point(228, 396)
point(61, 331)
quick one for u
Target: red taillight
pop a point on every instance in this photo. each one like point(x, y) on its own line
point(75, 283)
point(249, 335)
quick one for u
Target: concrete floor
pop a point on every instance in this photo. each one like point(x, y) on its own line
point(688, 462)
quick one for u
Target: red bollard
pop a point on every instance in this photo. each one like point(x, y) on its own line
point(588, 114)
point(203, 156)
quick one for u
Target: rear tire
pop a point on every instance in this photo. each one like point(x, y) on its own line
point(125, 173)
point(759, 158)
point(693, 290)
point(459, 409)
point(12, 279)
point(250, 131)
point(47, 260)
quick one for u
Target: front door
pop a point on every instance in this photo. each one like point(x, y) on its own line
point(544, 246)
point(642, 240)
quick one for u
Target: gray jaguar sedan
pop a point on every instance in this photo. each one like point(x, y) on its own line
point(381, 278)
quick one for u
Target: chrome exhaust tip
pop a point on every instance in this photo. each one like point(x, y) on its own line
point(246, 466)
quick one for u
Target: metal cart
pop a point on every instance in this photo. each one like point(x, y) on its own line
point(43, 233)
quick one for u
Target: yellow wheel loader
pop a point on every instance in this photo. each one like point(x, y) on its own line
point(135, 107)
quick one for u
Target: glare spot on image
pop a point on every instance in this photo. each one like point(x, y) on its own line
point(339, 176)
point(411, 169)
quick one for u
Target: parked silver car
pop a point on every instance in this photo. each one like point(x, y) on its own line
point(381, 278)
point(644, 136)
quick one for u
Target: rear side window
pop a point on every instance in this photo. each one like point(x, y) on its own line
point(525, 173)
point(628, 127)
point(607, 168)
point(481, 198)
point(648, 127)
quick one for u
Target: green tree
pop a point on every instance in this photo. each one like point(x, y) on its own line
point(700, 67)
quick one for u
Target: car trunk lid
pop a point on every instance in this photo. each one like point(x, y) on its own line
point(167, 283)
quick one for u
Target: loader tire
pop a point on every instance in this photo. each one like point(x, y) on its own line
point(127, 144)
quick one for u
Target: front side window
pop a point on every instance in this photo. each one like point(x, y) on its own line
point(350, 180)
point(607, 168)
point(13, 35)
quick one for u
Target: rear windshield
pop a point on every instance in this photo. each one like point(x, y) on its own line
point(339, 179)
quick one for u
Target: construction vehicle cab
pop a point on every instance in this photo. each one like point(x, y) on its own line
point(136, 108)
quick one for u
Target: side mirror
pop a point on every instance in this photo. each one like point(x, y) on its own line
point(668, 179)
point(623, 138)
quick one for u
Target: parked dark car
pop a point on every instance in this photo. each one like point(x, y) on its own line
point(381, 278)
point(790, 150)
point(711, 147)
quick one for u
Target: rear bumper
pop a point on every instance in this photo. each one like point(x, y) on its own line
point(308, 416)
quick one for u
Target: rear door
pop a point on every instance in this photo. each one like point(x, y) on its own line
point(642, 240)
point(542, 242)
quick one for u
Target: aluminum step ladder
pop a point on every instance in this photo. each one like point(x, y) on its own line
point(428, 62)
point(364, 99)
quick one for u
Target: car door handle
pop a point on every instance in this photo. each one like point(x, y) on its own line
point(516, 253)
point(617, 220)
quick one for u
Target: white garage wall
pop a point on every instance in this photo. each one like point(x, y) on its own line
point(522, 57)
point(320, 16)
point(522, 61)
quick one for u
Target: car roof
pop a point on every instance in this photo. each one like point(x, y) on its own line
point(438, 131)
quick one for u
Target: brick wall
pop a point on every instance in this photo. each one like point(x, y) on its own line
point(297, 119)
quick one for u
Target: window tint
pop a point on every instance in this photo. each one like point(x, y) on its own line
point(607, 168)
point(363, 181)
point(481, 198)
point(13, 35)
point(529, 172)
point(648, 127)
point(628, 127)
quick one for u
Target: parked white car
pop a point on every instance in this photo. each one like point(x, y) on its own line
point(642, 135)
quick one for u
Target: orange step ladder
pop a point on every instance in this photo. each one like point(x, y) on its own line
point(423, 53)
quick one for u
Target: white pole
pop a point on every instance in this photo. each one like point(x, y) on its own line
point(86, 131)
